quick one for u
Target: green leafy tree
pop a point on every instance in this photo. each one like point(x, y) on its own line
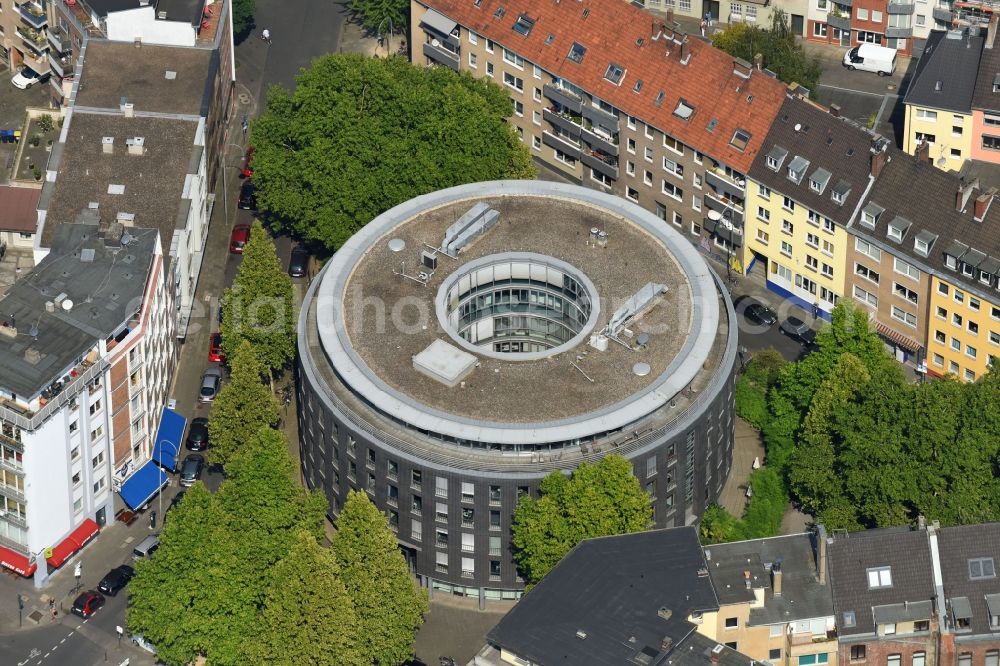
point(243, 11)
point(243, 407)
point(782, 54)
point(371, 13)
point(307, 617)
point(599, 499)
point(260, 308)
point(360, 135)
point(186, 597)
point(388, 603)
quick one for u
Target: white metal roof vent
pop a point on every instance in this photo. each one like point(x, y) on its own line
point(135, 145)
point(114, 188)
point(108, 145)
point(169, 75)
point(581, 634)
point(397, 245)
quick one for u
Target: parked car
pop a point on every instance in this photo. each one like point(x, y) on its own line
point(298, 262)
point(247, 169)
point(871, 58)
point(215, 348)
point(28, 77)
point(116, 579)
point(145, 548)
point(758, 313)
point(239, 238)
point(210, 382)
point(140, 641)
point(247, 201)
point(191, 469)
point(797, 329)
point(87, 603)
point(197, 439)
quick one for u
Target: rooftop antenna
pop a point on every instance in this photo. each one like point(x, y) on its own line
point(420, 279)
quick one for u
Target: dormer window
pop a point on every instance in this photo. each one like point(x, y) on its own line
point(840, 192)
point(996, 83)
point(870, 215)
point(950, 261)
point(776, 157)
point(576, 52)
point(961, 612)
point(614, 73)
point(740, 139)
point(879, 577)
point(897, 229)
point(797, 169)
point(922, 243)
point(684, 111)
point(819, 179)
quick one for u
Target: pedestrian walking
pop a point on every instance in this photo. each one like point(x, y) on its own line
point(708, 19)
point(704, 24)
point(265, 34)
point(52, 609)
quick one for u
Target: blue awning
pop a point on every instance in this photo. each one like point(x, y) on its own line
point(142, 485)
point(168, 439)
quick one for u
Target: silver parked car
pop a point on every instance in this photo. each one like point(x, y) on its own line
point(210, 382)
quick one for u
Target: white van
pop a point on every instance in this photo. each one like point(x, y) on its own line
point(871, 58)
point(146, 547)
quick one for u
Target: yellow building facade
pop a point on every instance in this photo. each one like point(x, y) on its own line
point(963, 331)
point(948, 135)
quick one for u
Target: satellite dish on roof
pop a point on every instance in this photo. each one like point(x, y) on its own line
point(67, 304)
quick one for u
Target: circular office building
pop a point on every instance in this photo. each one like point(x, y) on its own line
point(467, 343)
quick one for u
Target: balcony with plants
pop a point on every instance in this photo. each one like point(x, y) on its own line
point(33, 39)
point(33, 14)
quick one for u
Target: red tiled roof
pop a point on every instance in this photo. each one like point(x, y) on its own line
point(18, 208)
point(611, 32)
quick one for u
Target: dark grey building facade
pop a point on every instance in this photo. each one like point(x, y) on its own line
point(446, 458)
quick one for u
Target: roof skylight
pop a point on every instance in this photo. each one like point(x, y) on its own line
point(576, 52)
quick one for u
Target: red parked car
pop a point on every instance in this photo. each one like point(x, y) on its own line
point(239, 238)
point(87, 603)
point(215, 348)
point(247, 170)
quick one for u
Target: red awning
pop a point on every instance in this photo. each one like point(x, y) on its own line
point(16, 562)
point(82, 535)
point(904, 341)
point(62, 552)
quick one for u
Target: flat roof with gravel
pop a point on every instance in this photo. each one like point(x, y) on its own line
point(372, 321)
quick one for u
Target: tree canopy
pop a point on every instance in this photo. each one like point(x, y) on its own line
point(371, 13)
point(360, 135)
point(243, 407)
point(858, 446)
point(260, 308)
point(389, 605)
point(598, 499)
point(782, 54)
point(243, 11)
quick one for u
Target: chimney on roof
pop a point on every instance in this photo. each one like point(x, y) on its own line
point(670, 17)
point(983, 202)
point(964, 192)
point(776, 578)
point(923, 153)
point(821, 542)
point(135, 145)
point(758, 61)
point(126, 107)
point(32, 356)
point(879, 155)
point(685, 52)
point(835, 110)
point(921, 523)
point(991, 32)
point(664, 613)
point(742, 68)
point(108, 145)
point(746, 578)
point(714, 654)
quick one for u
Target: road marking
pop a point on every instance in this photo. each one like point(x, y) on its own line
point(851, 90)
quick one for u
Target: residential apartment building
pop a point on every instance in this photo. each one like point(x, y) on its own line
point(971, 594)
point(805, 185)
point(884, 597)
point(940, 96)
point(23, 25)
point(986, 102)
point(850, 23)
point(924, 262)
point(774, 600)
point(661, 118)
point(137, 143)
point(753, 12)
point(86, 357)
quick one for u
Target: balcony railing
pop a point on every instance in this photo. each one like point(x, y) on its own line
point(62, 66)
point(441, 55)
point(33, 39)
point(842, 22)
point(941, 14)
point(600, 142)
point(565, 121)
point(555, 141)
point(59, 39)
point(563, 97)
point(601, 163)
point(27, 421)
point(599, 117)
point(900, 8)
point(11, 492)
point(33, 14)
